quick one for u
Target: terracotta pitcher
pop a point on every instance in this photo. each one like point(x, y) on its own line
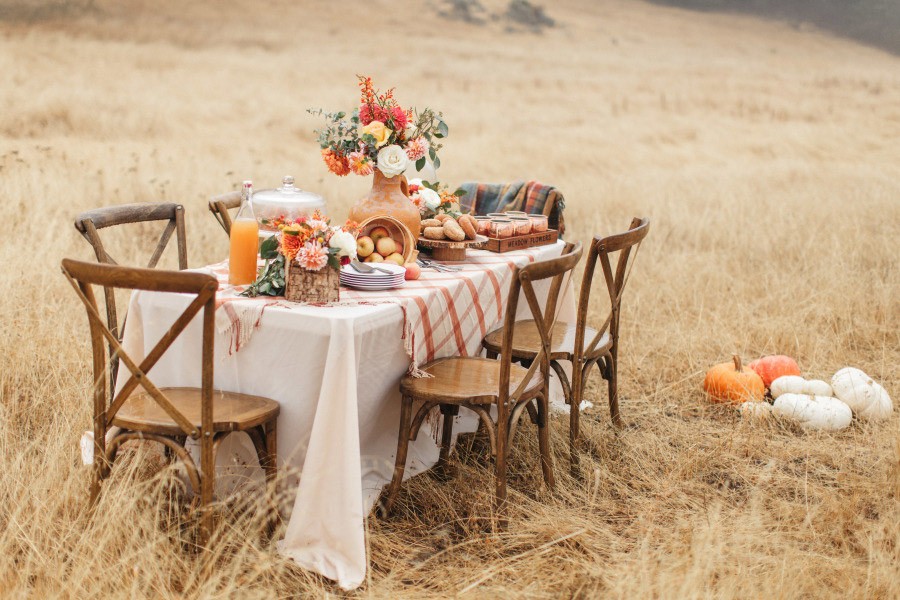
point(388, 196)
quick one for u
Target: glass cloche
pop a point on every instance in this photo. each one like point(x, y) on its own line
point(286, 203)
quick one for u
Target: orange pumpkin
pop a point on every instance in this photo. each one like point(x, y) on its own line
point(771, 368)
point(733, 383)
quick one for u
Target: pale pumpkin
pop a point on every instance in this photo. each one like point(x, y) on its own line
point(756, 411)
point(733, 383)
point(868, 399)
point(794, 384)
point(813, 412)
point(771, 368)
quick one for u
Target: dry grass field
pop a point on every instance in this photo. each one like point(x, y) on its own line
point(766, 157)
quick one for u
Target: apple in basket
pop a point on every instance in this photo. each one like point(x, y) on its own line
point(379, 232)
point(386, 246)
point(364, 246)
point(374, 257)
point(395, 258)
point(412, 271)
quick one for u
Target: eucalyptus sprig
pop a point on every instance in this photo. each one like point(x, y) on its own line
point(271, 277)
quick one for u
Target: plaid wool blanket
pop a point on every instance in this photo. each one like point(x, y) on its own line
point(531, 197)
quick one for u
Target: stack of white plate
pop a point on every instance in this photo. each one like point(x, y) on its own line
point(387, 276)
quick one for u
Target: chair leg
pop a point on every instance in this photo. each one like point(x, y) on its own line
point(270, 431)
point(443, 469)
point(400, 462)
point(207, 487)
point(502, 433)
point(544, 440)
point(612, 372)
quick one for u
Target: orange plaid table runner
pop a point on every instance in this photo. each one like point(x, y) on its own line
point(445, 314)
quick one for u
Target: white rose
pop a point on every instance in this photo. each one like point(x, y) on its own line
point(430, 197)
point(417, 182)
point(392, 160)
point(344, 242)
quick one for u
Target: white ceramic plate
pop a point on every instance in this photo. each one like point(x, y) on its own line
point(374, 287)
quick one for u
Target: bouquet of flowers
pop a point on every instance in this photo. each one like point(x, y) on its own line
point(433, 198)
point(310, 241)
point(379, 134)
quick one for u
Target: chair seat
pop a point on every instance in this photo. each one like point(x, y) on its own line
point(527, 340)
point(473, 380)
point(231, 412)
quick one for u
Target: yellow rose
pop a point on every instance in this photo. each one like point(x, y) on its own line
point(377, 130)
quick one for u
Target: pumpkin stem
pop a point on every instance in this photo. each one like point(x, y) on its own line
point(737, 363)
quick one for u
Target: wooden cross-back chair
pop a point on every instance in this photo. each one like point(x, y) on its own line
point(220, 205)
point(581, 345)
point(143, 411)
point(89, 223)
point(479, 384)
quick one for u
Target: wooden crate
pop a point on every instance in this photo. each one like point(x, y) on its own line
point(301, 285)
point(520, 242)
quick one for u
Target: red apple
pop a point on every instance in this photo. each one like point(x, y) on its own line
point(395, 258)
point(378, 233)
point(412, 270)
point(364, 246)
point(374, 257)
point(385, 246)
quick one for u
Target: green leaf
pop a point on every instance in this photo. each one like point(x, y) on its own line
point(459, 193)
point(269, 248)
point(442, 128)
point(340, 115)
point(437, 162)
point(432, 154)
point(420, 164)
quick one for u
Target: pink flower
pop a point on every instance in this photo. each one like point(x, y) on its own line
point(416, 148)
point(360, 163)
point(312, 256)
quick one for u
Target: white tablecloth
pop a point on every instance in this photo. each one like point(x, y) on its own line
point(335, 371)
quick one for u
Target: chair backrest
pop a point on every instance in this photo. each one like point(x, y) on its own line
point(220, 205)
point(89, 223)
point(626, 245)
point(544, 320)
point(104, 342)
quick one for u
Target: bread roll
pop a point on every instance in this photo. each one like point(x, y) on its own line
point(434, 233)
point(467, 222)
point(453, 231)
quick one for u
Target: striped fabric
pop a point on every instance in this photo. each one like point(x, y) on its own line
point(531, 197)
point(445, 314)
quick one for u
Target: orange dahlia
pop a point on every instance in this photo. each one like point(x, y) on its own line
point(360, 163)
point(290, 241)
point(337, 163)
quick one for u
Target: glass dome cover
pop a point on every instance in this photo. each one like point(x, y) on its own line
point(284, 204)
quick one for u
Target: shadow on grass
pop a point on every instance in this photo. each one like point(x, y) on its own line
point(873, 22)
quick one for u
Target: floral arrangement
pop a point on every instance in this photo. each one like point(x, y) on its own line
point(433, 198)
point(380, 134)
point(312, 241)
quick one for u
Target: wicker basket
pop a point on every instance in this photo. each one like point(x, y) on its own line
point(301, 285)
point(398, 231)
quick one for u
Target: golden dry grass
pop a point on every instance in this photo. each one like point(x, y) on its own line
point(766, 157)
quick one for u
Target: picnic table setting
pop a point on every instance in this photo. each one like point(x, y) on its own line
point(290, 366)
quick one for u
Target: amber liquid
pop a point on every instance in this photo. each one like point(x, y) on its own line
point(244, 250)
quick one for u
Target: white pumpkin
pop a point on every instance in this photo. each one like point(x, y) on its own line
point(794, 384)
point(813, 412)
point(756, 411)
point(868, 399)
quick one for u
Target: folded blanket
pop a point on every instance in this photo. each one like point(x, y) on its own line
point(531, 197)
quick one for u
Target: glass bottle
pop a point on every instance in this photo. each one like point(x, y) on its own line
point(244, 241)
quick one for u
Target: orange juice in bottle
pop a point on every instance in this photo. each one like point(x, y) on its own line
point(244, 241)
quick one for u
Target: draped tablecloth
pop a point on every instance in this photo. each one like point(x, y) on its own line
point(335, 372)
